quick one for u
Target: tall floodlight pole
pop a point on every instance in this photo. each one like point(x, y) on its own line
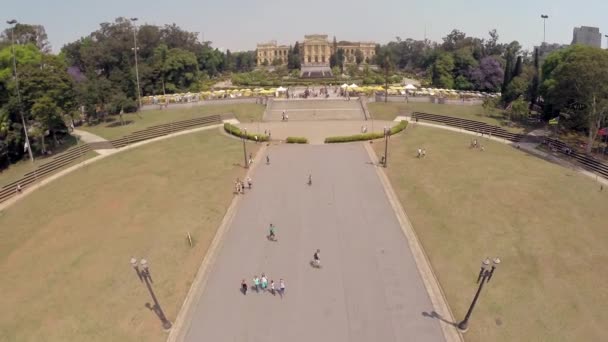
point(27, 137)
point(136, 67)
point(544, 17)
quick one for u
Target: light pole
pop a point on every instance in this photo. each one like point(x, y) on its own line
point(136, 67)
point(544, 17)
point(485, 274)
point(144, 275)
point(244, 137)
point(386, 135)
point(27, 137)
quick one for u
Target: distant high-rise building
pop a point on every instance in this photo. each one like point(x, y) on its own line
point(588, 36)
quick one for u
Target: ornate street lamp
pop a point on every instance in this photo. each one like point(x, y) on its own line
point(485, 274)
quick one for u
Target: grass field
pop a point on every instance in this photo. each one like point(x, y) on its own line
point(244, 112)
point(19, 169)
point(65, 249)
point(388, 111)
point(546, 222)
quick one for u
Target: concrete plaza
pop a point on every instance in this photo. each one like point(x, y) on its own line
point(368, 289)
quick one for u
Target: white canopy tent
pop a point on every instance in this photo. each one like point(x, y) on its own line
point(344, 86)
point(410, 87)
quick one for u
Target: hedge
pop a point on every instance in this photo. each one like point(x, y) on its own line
point(232, 129)
point(366, 136)
point(297, 140)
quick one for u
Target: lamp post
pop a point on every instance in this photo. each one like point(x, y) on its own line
point(485, 274)
point(386, 136)
point(136, 66)
point(144, 275)
point(27, 137)
point(244, 137)
point(544, 17)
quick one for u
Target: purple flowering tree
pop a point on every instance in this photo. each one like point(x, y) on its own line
point(488, 76)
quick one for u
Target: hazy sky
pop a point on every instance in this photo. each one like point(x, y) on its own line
point(240, 24)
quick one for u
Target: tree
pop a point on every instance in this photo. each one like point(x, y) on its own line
point(492, 47)
point(182, 70)
point(386, 61)
point(441, 71)
point(48, 118)
point(518, 109)
point(28, 34)
point(488, 76)
point(453, 40)
point(337, 59)
point(576, 86)
point(358, 56)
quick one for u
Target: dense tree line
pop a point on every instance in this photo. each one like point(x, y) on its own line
point(95, 75)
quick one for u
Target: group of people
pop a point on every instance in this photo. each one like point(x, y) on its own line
point(262, 284)
point(284, 116)
point(239, 185)
point(476, 144)
point(421, 153)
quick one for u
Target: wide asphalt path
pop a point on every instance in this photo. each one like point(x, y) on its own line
point(368, 289)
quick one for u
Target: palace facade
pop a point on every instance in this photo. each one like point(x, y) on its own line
point(315, 50)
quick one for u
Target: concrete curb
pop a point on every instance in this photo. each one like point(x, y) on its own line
point(184, 317)
point(84, 163)
point(433, 288)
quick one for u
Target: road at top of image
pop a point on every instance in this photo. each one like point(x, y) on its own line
point(368, 288)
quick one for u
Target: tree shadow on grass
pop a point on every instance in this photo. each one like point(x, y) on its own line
point(435, 315)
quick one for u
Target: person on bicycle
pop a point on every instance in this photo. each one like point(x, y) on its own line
point(271, 233)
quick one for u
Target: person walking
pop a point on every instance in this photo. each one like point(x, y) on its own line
point(244, 287)
point(423, 153)
point(281, 288)
point(317, 258)
point(267, 160)
point(264, 282)
point(272, 287)
point(271, 233)
point(256, 283)
point(419, 152)
point(249, 182)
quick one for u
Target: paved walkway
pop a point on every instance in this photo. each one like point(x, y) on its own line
point(369, 288)
point(88, 137)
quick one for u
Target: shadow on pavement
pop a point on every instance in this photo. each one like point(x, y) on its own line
point(434, 314)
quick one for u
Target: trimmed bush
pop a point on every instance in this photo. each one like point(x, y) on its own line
point(297, 140)
point(366, 136)
point(232, 129)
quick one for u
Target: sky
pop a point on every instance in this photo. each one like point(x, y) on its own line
point(240, 24)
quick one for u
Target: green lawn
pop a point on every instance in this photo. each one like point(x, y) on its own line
point(245, 112)
point(390, 110)
point(546, 222)
point(18, 170)
point(65, 249)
